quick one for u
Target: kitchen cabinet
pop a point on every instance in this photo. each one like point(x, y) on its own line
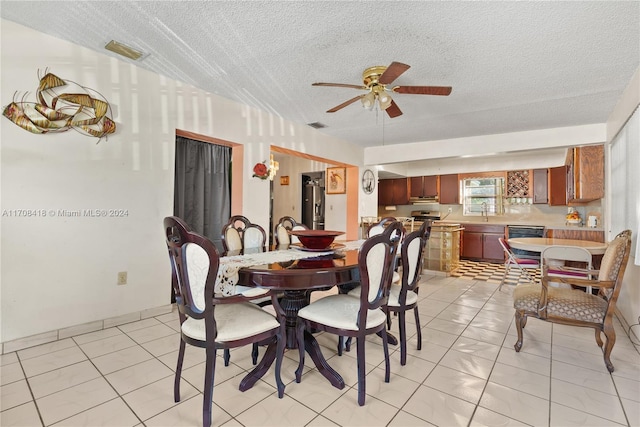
point(480, 242)
point(519, 183)
point(424, 186)
point(557, 186)
point(393, 192)
point(540, 186)
point(449, 190)
point(585, 173)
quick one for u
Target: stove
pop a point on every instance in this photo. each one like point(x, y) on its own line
point(425, 215)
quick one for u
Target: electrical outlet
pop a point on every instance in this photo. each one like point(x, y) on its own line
point(450, 210)
point(122, 278)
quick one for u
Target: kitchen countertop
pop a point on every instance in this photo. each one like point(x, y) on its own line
point(557, 226)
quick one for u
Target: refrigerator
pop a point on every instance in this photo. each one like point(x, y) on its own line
point(313, 205)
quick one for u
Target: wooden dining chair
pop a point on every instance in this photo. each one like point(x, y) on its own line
point(403, 296)
point(574, 306)
point(281, 232)
point(345, 315)
point(239, 234)
point(212, 321)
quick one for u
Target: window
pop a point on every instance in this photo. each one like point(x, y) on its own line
point(483, 196)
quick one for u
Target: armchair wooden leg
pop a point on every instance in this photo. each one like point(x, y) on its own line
point(598, 338)
point(227, 357)
point(610, 335)
point(520, 320)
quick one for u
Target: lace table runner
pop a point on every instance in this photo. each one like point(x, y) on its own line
point(229, 265)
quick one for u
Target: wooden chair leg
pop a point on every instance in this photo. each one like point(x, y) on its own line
point(176, 381)
point(418, 329)
point(361, 369)
point(227, 357)
point(387, 362)
point(610, 335)
point(209, 373)
point(402, 326)
point(340, 345)
point(598, 338)
point(519, 326)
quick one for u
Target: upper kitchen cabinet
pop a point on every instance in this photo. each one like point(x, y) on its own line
point(393, 191)
point(449, 189)
point(540, 186)
point(519, 183)
point(585, 173)
point(557, 186)
point(424, 186)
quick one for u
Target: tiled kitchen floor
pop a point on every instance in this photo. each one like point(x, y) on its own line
point(467, 373)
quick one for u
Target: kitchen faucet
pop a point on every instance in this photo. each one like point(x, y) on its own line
point(485, 212)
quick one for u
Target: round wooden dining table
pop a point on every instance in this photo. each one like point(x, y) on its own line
point(296, 279)
point(538, 244)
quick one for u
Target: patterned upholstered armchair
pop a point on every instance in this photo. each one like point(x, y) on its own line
point(574, 306)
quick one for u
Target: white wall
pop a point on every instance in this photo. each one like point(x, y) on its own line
point(58, 271)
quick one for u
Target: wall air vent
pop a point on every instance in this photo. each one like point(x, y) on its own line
point(317, 125)
point(124, 50)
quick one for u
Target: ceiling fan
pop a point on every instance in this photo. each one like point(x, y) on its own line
point(375, 81)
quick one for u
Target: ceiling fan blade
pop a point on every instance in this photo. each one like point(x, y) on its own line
point(393, 110)
point(344, 104)
point(423, 90)
point(392, 72)
point(339, 85)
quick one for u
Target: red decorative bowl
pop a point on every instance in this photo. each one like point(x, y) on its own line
point(316, 239)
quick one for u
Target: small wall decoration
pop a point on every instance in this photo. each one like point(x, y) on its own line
point(284, 180)
point(336, 180)
point(78, 108)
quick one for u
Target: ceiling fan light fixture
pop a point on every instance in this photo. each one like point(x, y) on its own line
point(369, 100)
point(384, 99)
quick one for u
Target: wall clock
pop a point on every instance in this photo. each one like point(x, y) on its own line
point(368, 181)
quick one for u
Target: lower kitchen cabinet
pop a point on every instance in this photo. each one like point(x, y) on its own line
point(480, 242)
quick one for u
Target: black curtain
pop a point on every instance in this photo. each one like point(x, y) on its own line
point(202, 196)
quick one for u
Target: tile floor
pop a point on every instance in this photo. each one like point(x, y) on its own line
point(467, 373)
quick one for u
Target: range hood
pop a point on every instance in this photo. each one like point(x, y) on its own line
point(423, 200)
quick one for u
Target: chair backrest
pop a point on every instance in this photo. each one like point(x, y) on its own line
point(564, 253)
point(194, 266)
point(613, 265)
point(240, 233)
point(283, 227)
point(379, 227)
point(376, 261)
point(411, 253)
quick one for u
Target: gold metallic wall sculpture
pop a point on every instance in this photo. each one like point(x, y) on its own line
point(78, 108)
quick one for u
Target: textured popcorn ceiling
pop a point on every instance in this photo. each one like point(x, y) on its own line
point(513, 66)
